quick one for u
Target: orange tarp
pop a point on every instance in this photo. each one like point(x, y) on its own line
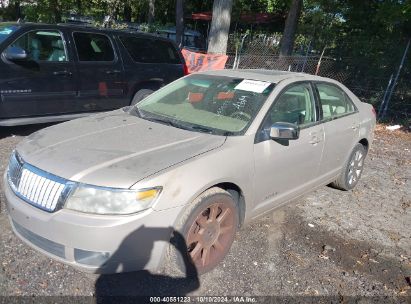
point(197, 62)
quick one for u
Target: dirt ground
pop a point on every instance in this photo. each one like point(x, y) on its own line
point(329, 243)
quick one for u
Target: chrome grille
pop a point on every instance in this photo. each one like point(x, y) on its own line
point(39, 188)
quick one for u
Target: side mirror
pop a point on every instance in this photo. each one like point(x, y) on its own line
point(14, 53)
point(284, 130)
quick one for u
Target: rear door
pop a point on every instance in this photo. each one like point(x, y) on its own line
point(341, 126)
point(42, 84)
point(150, 59)
point(101, 82)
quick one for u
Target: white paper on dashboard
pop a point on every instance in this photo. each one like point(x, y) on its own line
point(252, 85)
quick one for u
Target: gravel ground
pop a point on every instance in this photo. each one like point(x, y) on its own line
point(329, 243)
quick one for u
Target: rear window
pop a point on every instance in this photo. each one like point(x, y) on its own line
point(334, 101)
point(146, 50)
point(93, 47)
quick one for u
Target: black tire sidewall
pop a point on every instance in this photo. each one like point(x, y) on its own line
point(140, 95)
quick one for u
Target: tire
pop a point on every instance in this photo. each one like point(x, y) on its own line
point(208, 226)
point(140, 95)
point(352, 170)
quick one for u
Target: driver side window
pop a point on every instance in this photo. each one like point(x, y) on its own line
point(42, 46)
point(295, 105)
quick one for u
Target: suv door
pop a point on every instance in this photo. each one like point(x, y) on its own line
point(150, 62)
point(285, 169)
point(341, 126)
point(101, 81)
point(41, 84)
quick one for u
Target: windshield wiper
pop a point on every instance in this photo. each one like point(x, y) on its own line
point(167, 122)
point(133, 110)
point(190, 127)
point(201, 129)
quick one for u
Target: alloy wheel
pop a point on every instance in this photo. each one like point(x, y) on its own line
point(210, 235)
point(355, 167)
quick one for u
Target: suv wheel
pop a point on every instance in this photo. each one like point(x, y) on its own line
point(140, 95)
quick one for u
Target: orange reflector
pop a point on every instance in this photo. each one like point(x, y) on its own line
point(149, 194)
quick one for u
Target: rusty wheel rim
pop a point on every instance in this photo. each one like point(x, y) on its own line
point(210, 235)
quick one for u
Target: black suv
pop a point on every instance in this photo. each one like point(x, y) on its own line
point(60, 72)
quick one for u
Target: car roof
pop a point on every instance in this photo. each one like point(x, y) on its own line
point(84, 27)
point(273, 76)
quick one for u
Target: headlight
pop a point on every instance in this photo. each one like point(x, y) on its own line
point(99, 200)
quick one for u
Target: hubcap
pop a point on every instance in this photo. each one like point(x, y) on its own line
point(211, 234)
point(355, 168)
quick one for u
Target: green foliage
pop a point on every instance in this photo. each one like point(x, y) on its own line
point(369, 35)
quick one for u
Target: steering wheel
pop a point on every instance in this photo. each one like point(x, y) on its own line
point(241, 115)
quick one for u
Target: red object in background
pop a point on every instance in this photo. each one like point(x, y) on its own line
point(195, 97)
point(197, 62)
point(185, 68)
point(207, 16)
point(225, 95)
point(254, 18)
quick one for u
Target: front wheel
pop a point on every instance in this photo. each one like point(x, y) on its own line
point(209, 226)
point(352, 170)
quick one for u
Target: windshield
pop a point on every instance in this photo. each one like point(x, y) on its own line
point(6, 30)
point(205, 103)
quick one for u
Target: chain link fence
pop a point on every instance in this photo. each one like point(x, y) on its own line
point(262, 52)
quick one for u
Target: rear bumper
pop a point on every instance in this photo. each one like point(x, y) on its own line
point(93, 243)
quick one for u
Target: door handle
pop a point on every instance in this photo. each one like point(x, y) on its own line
point(112, 72)
point(355, 127)
point(314, 140)
point(62, 73)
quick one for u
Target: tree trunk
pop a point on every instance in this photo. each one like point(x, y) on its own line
point(151, 11)
point(179, 22)
point(287, 41)
point(55, 8)
point(220, 26)
point(79, 7)
point(17, 10)
point(127, 12)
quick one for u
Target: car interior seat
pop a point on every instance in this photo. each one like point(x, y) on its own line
point(35, 49)
point(58, 53)
point(288, 110)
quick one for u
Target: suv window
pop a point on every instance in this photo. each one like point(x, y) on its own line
point(44, 45)
point(295, 105)
point(334, 102)
point(147, 50)
point(93, 47)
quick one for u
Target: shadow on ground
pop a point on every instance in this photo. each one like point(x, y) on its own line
point(111, 288)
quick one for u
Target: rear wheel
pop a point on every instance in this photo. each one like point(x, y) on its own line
point(140, 95)
point(208, 226)
point(352, 171)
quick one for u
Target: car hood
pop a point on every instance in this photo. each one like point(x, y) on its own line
point(113, 149)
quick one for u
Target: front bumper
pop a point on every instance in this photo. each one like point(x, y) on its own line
point(94, 243)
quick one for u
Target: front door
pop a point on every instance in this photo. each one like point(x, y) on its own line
point(284, 169)
point(101, 81)
point(41, 84)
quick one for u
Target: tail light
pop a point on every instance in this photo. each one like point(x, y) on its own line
point(185, 69)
